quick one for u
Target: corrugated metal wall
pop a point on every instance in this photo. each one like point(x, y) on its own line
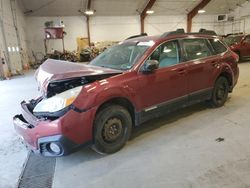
point(12, 38)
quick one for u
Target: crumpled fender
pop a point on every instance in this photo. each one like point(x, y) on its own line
point(97, 93)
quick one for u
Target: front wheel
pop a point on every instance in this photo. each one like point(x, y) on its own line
point(220, 92)
point(112, 129)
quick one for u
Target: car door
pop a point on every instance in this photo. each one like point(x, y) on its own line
point(201, 67)
point(164, 89)
point(245, 49)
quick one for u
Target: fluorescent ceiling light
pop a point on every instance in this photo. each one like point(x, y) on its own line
point(150, 12)
point(89, 12)
point(201, 11)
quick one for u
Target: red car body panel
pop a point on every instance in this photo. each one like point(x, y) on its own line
point(243, 47)
point(143, 91)
point(151, 86)
point(53, 70)
point(77, 128)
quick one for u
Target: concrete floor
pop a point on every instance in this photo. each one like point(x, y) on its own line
point(12, 151)
point(177, 151)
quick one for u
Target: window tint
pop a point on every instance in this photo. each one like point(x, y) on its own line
point(167, 54)
point(195, 49)
point(247, 39)
point(218, 47)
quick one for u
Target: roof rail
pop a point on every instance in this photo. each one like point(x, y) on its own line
point(136, 36)
point(182, 31)
point(207, 32)
point(229, 34)
point(178, 31)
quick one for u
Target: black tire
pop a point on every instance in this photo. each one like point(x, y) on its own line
point(220, 92)
point(112, 129)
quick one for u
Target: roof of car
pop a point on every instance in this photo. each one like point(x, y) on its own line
point(143, 39)
point(241, 35)
point(157, 38)
point(179, 33)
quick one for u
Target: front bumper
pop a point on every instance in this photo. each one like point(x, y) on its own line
point(38, 134)
point(40, 145)
point(66, 145)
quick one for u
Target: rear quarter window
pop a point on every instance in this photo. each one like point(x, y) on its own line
point(196, 48)
point(217, 46)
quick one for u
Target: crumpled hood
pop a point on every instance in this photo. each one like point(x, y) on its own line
point(55, 70)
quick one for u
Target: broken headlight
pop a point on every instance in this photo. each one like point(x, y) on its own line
point(58, 102)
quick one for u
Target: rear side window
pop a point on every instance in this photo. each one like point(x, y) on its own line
point(196, 49)
point(218, 47)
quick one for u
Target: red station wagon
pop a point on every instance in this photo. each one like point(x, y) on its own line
point(141, 78)
point(240, 44)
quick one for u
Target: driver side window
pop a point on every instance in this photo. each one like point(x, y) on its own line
point(167, 54)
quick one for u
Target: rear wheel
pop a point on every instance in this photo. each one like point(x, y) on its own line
point(220, 92)
point(112, 128)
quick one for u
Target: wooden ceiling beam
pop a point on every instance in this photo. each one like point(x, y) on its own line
point(194, 12)
point(143, 14)
point(89, 4)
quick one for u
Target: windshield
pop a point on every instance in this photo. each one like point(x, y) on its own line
point(232, 40)
point(121, 57)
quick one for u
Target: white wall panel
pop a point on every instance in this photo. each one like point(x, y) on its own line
point(109, 28)
point(3, 51)
point(74, 27)
point(114, 28)
point(207, 22)
point(246, 25)
point(21, 24)
point(242, 20)
point(156, 25)
point(101, 29)
point(12, 57)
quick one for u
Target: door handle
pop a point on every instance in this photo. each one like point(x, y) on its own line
point(214, 63)
point(181, 71)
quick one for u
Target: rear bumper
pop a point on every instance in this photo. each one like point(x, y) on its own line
point(38, 134)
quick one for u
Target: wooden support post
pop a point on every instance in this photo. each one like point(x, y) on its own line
point(87, 21)
point(144, 13)
point(63, 44)
point(194, 12)
point(142, 23)
point(88, 30)
point(89, 4)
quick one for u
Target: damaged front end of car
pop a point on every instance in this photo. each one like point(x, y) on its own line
point(42, 123)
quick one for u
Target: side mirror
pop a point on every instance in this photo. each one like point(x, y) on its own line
point(150, 65)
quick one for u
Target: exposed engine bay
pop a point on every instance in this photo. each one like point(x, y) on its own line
point(59, 86)
point(60, 82)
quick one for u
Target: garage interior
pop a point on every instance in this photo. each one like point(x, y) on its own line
point(193, 147)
